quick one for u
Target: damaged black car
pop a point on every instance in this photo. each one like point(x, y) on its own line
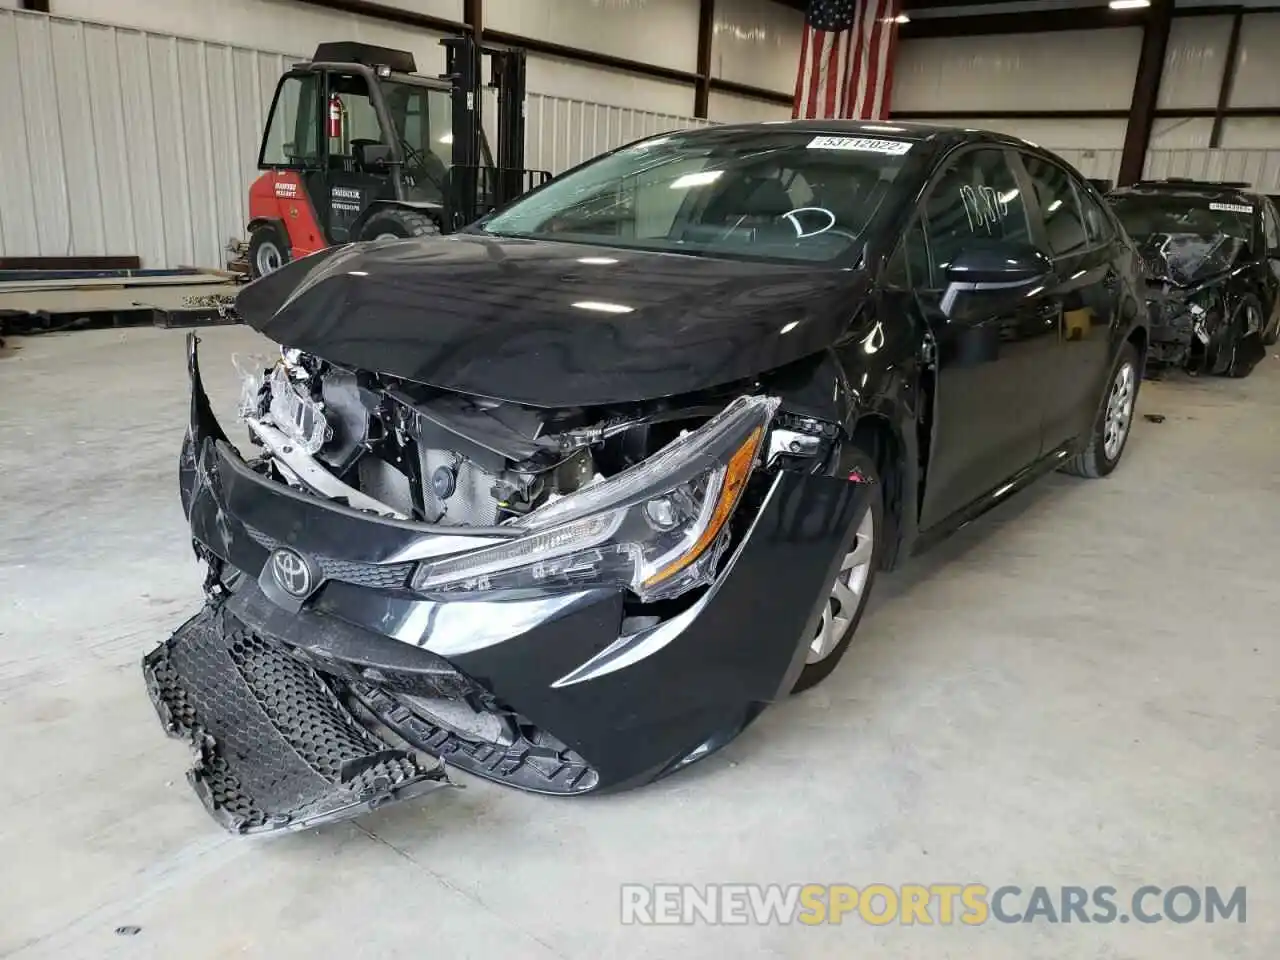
point(1211, 259)
point(565, 500)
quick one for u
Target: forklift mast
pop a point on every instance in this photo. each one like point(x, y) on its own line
point(478, 183)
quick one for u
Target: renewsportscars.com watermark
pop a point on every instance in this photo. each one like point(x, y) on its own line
point(908, 904)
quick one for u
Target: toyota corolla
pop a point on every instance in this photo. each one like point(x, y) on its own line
point(567, 499)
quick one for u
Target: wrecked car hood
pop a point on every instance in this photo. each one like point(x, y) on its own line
point(551, 324)
point(1186, 259)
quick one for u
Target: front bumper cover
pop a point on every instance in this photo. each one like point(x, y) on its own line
point(581, 701)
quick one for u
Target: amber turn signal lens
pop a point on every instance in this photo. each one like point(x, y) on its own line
point(735, 481)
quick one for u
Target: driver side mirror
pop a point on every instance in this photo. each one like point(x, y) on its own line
point(372, 156)
point(998, 264)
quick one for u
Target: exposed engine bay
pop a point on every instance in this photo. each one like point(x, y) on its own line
point(403, 450)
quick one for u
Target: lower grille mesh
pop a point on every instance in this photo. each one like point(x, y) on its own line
point(276, 748)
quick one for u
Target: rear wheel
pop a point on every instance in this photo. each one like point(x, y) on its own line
point(1115, 417)
point(268, 250)
point(398, 223)
point(848, 592)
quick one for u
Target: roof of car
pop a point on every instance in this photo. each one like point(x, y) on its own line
point(897, 129)
point(1204, 190)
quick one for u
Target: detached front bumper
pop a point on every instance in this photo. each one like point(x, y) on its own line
point(562, 693)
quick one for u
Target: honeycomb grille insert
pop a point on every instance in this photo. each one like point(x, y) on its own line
point(275, 747)
point(380, 576)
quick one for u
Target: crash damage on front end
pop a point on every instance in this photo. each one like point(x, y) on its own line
point(1195, 320)
point(563, 599)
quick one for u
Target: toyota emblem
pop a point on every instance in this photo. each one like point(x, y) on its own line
point(292, 573)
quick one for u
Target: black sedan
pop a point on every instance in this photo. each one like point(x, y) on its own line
point(565, 500)
point(1211, 259)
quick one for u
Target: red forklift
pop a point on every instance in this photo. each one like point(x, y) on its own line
point(358, 146)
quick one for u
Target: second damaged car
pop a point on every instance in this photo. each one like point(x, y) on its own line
point(1211, 260)
point(567, 499)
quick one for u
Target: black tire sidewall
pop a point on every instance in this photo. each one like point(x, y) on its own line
point(814, 673)
point(261, 236)
point(395, 222)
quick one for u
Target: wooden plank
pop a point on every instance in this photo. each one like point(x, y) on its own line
point(70, 263)
point(107, 283)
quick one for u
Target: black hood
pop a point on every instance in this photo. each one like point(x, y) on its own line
point(551, 324)
point(1186, 259)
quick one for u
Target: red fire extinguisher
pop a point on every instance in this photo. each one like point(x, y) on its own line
point(335, 117)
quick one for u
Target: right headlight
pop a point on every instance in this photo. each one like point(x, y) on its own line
point(657, 528)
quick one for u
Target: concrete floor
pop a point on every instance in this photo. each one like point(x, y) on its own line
point(1079, 689)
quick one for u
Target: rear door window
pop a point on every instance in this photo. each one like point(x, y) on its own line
point(1059, 205)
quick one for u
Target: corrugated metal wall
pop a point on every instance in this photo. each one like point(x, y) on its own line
point(562, 133)
point(125, 142)
point(121, 141)
point(1261, 168)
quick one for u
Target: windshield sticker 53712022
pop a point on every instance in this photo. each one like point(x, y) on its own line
point(1231, 207)
point(895, 148)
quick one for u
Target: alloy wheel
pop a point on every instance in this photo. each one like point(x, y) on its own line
point(387, 236)
point(846, 593)
point(1119, 413)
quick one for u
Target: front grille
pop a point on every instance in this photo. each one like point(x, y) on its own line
point(274, 745)
point(380, 576)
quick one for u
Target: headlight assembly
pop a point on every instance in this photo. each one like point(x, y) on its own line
point(657, 528)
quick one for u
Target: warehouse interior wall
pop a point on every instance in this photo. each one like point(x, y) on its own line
point(268, 24)
point(140, 120)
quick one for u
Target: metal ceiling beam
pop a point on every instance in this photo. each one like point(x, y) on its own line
point(706, 32)
point(1146, 91)
point(1228, 79)
point(1039, 21)
point(381, 11)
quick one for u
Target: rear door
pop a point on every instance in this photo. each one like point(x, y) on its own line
point(992, 348)
point(1071, 227)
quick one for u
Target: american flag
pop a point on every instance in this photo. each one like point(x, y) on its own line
point(846, 59)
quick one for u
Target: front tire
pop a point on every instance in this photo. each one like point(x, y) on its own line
point(847, 595)
point(398, 223)
point(1115, 418)
point(268, 251)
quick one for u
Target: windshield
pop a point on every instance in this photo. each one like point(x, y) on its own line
point(1146, 215)
point(773, 195)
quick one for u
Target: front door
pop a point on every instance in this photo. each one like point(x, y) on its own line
point(351, 184)
point(992, 347)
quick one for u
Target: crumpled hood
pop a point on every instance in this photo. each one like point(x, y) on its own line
point(1186, 259)
point(551, 324)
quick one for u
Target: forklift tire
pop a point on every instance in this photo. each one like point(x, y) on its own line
point(268, 250)
point(398, 223)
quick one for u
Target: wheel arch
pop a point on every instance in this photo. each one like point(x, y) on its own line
point(876, 434)
point(259, 222)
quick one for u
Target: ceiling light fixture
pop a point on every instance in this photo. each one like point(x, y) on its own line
point(1128, 4)
point(900, 18)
